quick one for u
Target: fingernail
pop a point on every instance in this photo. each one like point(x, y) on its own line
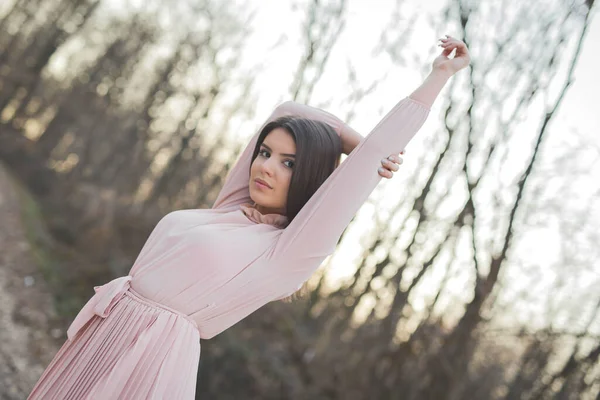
point(380, 169)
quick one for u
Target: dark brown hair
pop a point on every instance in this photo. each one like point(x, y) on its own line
point(318, 152)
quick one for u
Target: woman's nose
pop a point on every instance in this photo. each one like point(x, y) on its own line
point(268, 165)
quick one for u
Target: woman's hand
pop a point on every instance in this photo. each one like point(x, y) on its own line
point(452, 65)
point(388, 165)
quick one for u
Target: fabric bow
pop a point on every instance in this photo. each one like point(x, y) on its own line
point(101, 303)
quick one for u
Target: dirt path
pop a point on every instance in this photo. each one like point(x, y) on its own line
point(30, 332)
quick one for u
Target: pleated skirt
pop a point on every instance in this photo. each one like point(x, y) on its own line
point(141, 350)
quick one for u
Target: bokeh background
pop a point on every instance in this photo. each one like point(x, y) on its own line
point(473, 274)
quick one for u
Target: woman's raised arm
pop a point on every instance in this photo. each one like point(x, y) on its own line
point(315, 231)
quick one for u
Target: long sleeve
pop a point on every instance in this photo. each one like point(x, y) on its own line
point(316, 229)
point(235, 190)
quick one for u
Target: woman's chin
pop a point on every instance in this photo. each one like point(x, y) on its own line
point(257, 196)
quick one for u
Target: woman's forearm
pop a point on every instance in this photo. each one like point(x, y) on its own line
point(350, 139)
point(431, 87)
point(425, 94)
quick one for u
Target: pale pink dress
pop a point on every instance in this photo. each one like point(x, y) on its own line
point(203, 270)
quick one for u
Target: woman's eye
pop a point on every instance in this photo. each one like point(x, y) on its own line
point(265, 153)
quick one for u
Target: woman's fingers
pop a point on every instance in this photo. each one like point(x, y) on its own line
point(390, 165)
point(385, 173)
point(450, 43)
point(461, 57)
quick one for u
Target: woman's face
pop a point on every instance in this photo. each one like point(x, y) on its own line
point(273, 164)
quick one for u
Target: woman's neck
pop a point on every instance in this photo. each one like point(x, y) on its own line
point(266, 210)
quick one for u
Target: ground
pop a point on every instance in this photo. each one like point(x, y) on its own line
point(31, 332)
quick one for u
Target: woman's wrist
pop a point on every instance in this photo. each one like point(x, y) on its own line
point(428, 91)
point(442, 72)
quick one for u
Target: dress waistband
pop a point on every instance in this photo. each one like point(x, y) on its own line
point(138, 297)
point(105, 299)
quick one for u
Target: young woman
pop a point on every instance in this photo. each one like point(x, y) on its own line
point(280, 213)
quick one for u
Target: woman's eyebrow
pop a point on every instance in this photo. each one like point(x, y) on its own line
point(287, 155)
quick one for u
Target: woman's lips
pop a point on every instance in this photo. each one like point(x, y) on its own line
point(261, 185)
